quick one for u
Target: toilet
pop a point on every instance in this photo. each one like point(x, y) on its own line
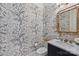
point(42, 51)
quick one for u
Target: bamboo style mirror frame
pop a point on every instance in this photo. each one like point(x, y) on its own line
point(68, 20)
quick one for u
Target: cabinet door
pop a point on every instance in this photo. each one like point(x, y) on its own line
point(55, 51)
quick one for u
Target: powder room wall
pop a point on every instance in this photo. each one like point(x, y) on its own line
point(49, 21)
point(21, 26)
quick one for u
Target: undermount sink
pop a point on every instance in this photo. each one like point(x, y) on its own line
point(66, 44)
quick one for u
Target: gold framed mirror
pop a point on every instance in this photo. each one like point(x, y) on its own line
point(68, 20)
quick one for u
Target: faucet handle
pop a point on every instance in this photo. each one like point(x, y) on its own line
point(65, 40)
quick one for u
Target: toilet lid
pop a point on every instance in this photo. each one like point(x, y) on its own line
point(42, 50)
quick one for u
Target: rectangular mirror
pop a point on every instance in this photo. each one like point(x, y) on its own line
point(67, 21)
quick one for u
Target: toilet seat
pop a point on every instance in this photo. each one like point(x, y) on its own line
point(42, 51)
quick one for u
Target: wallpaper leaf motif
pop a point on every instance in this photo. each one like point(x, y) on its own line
point(19, 27)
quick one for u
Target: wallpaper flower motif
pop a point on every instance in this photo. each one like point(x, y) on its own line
point(20, 27)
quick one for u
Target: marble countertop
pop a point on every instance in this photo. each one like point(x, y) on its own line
point(72, 48)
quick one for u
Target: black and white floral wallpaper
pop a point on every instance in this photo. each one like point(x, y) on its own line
point(24, 24)
point(20, 27)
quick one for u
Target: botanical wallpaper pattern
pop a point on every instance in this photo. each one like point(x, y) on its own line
point(20, 28)
point(49, 20)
